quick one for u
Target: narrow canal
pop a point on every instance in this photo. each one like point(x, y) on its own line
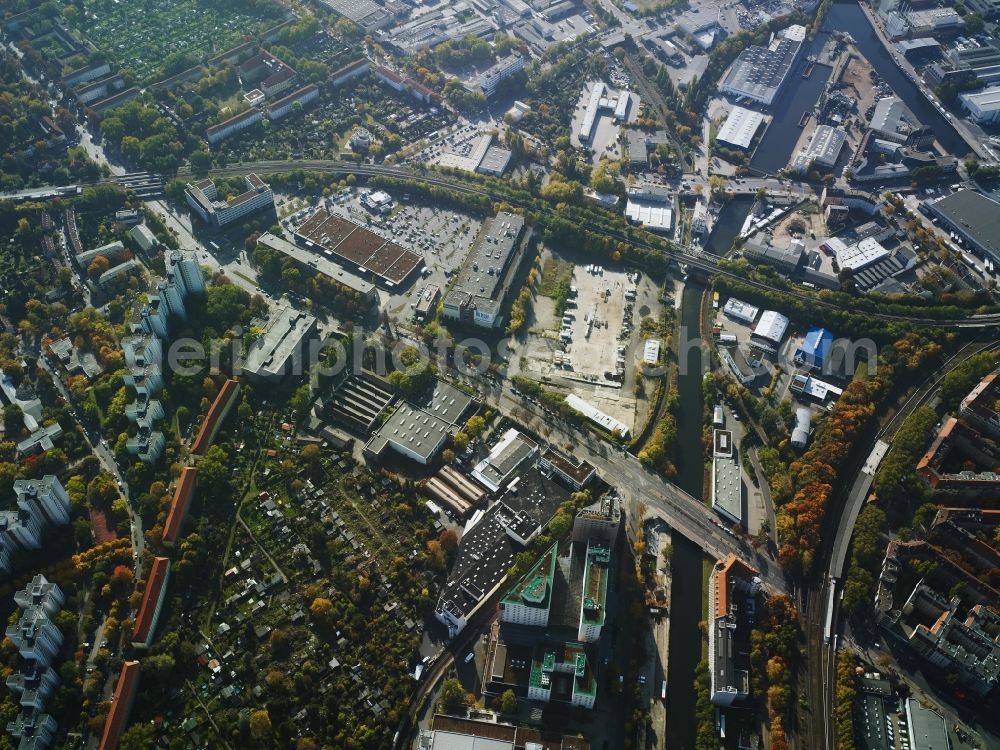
point(686, 592)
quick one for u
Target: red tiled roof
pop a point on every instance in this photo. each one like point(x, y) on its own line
point(732, 566)
point(155, 589)
point(121, 706)
point(349, 68)
point(205, 434)
point(183, 492)
point(390, 74)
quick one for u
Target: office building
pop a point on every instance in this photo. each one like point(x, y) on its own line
point(815, 349)
point(202, 197)
point(894, 121)
point(504, 459)
point(488, 732)
point(500, 71)
point(759, 72)
point(483, 285)
point(530, 601)
point(281, 346)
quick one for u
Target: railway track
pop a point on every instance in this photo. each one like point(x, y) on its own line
point(680, 253)
point(822, 593)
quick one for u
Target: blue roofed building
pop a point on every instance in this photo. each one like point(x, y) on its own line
point(815, 349)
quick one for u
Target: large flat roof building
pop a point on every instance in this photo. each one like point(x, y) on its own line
point(357, 247)
point(504, 459)
point(759, 72)
point(740, 128)
point(484, 282)
point(974, 217)
point(312, 262)
point(982, 106)
point(823, 150)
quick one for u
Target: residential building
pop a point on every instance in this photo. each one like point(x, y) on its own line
point(933, 467)
point(153, 595)
point(35, 636)
point(599, 521)
point(482, 287)
point(593, 603)
point(280, 108)
point(202, 197)
point(179, 504)
point(350, 71)
point(33, 729)
point(979, 407)
point(122, 269)
point(143, 237)
point(217, 412)
point(185, 271)
point(33, 684)
point(733, 587)
point(234, 124)
point(41, 593)
point(111, 251)
point(266, 72)
point(42, 439)
point(121, 706)
point(500, 71)
point(147, 445)
point(965, 646)
point(40, 504)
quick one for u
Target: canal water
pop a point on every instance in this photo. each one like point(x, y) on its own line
point(728, 225)
point(801, 94)
point(846, 15)
point(686, 589)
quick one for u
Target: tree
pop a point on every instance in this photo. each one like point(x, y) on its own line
point(452, 695)
point(321, 608)
point(260, 724)
point(137, 736)
point(475, 426)
point(508, 702)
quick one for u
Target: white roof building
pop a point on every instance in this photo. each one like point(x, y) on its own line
point(597, 416)
point(657, 217)
point(772, 327)
point(740, 310)
point(740, 127)
point(982, 106)
point(859, 256)
point(651, 351)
